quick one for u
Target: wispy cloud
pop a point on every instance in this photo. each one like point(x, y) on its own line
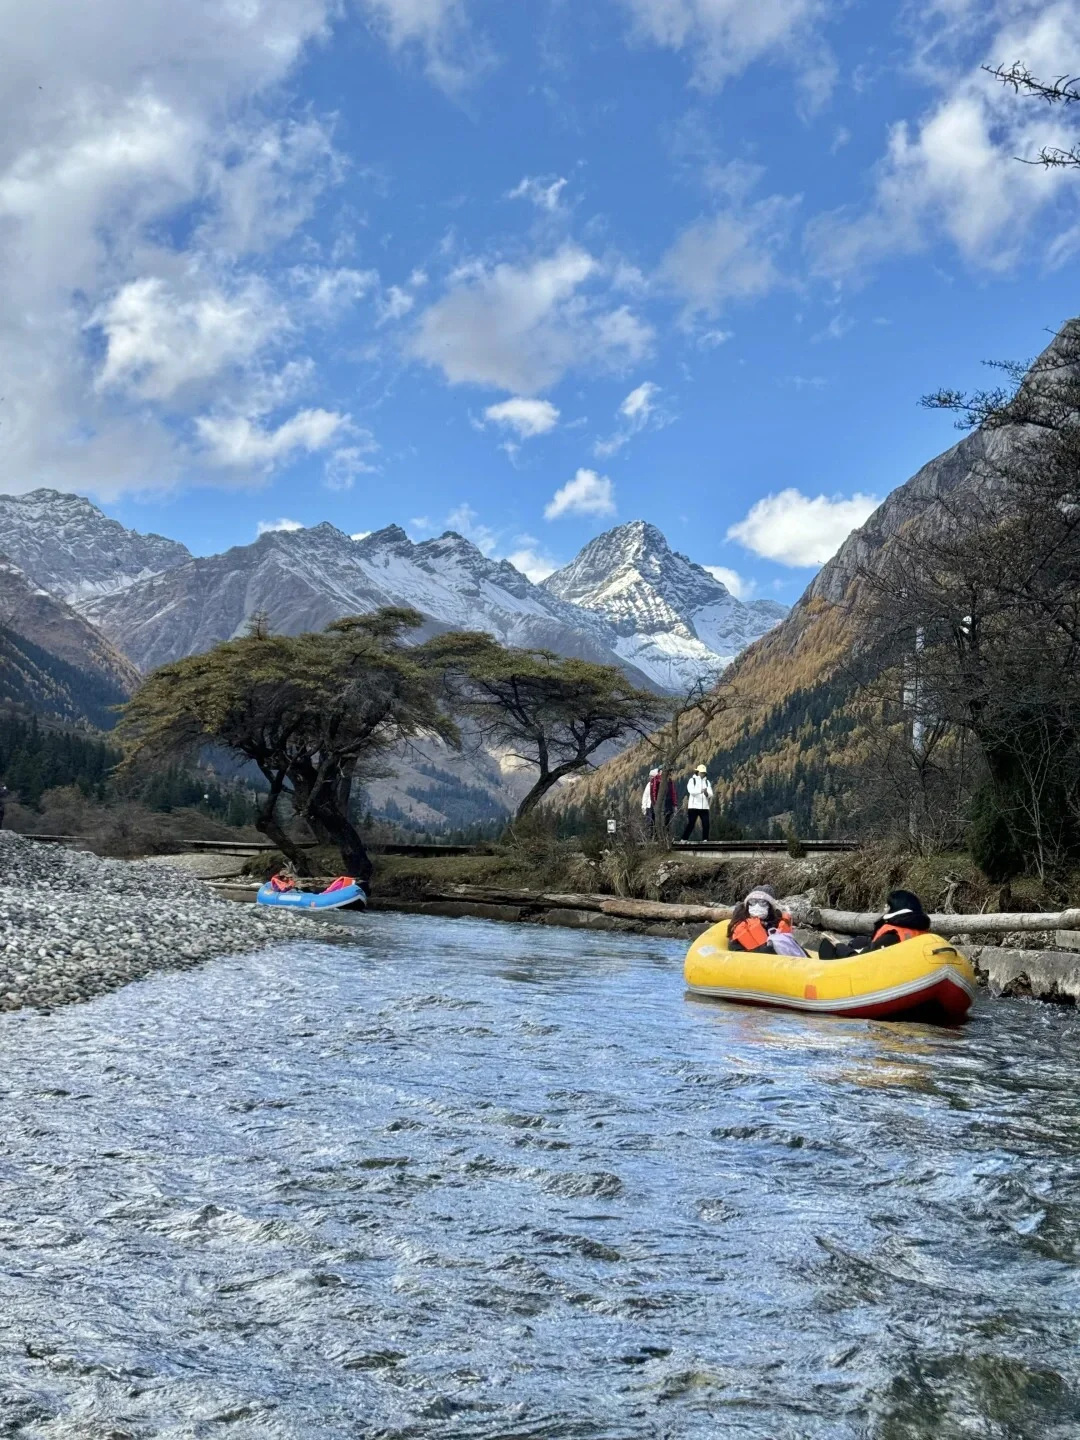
point(545, 194)
point(527, 418)
point(638, 411)
point(521, 327)
point(268, 527)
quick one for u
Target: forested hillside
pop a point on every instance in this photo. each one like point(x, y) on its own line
point(924, 684)
point(32, 678)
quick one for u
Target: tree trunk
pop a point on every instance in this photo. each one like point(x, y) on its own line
point(267, 823)
point(325, 815)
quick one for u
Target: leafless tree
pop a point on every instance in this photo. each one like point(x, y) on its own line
point(1063, 91)
point(981, 592)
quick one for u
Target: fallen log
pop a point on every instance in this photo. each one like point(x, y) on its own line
point(604, 904)
point(849, 922)
point(676, 914)
point(491, 895)
point(845, 922)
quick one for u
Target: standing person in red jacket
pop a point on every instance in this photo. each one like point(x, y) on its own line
point(659, 801)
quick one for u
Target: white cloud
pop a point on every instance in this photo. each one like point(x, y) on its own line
point(534, 564)
point(725, 36)
point(587, 494)
point(466, 522)
point(739, 585)
point(953, 174)
point(640, 404)
point(799, 530)
point(522, 327)
point(159, 342)
point(545, 194)
point(331, 291)
point(143, 179)
point(639, 410)
point(527, 417)
point(395, 304)
point(731, 256)
point(346, 463)
point(438, 29)
point(268, 527)
point(238, 442)
point(360, 534)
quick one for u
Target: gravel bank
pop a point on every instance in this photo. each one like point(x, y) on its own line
point(73, 925)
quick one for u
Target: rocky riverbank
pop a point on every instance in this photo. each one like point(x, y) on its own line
point(73, 925)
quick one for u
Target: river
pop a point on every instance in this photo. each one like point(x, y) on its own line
point(455, 1179)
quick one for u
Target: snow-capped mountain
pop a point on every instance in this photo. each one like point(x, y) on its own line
point(672, 618)
point(67, 546)
point(627, 598)
point(303, 579)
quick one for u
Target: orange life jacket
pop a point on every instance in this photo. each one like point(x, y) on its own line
point(341, 883)
point(282, 882)
point(751, 933)
point(900, 931)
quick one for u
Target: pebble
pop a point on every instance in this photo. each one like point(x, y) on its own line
point(74, 925)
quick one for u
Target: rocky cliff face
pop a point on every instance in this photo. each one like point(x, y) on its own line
point(31, 611)
point(672, 618)
point(68, 547)
point(793, 740)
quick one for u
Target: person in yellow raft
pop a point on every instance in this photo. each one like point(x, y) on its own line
point(904, 919)
point(756, 920)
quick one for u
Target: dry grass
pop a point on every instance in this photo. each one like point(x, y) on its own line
point(123, 829)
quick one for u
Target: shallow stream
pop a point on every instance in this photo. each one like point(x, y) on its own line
point(457, 1179)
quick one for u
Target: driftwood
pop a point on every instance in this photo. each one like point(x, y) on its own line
point(845, 922)
point(601, 904)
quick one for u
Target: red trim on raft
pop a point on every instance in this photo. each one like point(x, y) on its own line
point(944, 999)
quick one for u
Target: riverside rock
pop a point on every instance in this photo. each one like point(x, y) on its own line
point(74, 925)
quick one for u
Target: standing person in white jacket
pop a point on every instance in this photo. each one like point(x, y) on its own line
point(699, 793)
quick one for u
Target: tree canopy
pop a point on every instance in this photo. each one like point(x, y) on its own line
point(550, 712)
point(978, 614)
point(313, 712)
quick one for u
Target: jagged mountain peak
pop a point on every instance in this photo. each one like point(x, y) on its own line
point(75, 551)
point(674, 618)
point(388, 535)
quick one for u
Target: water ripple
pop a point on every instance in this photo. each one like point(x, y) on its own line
point(482, 1182)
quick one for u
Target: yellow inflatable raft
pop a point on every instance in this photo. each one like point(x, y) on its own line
point(923, 978)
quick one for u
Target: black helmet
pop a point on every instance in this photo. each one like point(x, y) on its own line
point(906, 908)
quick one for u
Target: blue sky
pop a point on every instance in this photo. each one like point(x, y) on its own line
point(523, 268)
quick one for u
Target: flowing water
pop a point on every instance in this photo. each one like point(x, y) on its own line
point(458, 1179)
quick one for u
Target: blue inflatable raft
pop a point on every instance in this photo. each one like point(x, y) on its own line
point(343, 894)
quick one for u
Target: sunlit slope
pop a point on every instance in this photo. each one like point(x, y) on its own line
point(792, 745)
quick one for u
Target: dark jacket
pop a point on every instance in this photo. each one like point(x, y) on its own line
point(670, 799)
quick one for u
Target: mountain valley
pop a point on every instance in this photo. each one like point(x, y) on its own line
point(112, 602)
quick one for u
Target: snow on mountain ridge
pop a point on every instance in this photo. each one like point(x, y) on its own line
point(303, 579)
point(674, 619)
point(627, 596)
point(74, 551)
